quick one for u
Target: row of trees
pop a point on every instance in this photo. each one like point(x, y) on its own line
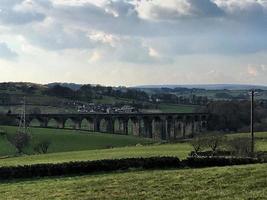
point(234, 116)
point(173, 98)
point(89, 92)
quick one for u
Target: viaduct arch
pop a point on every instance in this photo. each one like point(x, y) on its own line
point(159, 126)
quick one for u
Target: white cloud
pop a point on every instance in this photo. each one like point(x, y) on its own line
point(6, 52)
point(142, 33)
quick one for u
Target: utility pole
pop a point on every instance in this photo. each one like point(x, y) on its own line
point(24, 115)
point(252, 122)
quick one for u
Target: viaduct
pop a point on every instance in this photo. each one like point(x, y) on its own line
point(159, 126)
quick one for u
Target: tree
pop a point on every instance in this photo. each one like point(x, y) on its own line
point(198, 143)
point(215, 141)
point(240, 146)
point(20, 141)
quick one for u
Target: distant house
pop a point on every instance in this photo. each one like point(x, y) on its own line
point(126, 109)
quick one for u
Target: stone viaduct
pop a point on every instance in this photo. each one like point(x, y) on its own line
point(164, 126)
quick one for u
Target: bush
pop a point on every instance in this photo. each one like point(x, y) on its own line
point(2, 133)
point(240, 146)
point(42, 147)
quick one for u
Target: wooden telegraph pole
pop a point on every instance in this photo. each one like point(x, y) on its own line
point(252, 123)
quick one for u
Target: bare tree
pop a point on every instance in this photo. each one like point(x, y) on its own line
point(20, 141)
point(215, 141)
point(198, 143)
point(240, 146)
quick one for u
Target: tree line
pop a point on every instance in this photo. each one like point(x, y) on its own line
point(234, 116)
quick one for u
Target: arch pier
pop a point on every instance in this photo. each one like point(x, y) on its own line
point(159, 126)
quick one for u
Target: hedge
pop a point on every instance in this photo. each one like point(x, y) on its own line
point(86, 167)
point(213, 161)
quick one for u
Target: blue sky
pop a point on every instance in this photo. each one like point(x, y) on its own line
point(134, 42)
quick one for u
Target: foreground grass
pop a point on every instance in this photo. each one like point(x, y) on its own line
point(70, 140)
point(239, 182)
point(181, 150)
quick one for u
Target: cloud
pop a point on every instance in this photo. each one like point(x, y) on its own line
point(17, 12)
point(140, 31)
point(256, 71)
point(6, 53)
point(178, 9)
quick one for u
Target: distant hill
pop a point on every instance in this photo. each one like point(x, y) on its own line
point(72, 86)
point(208, 86)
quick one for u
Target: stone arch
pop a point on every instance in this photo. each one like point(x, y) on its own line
point(189, 126)
point(117, 126)
point(91, 124)
point(69, 123)
point(85, 124)
point(53, 123)
point(121, 125)
point(157, 128)
point(135, 126)
point(103, 125)
point(147, 126)
point(35, 122)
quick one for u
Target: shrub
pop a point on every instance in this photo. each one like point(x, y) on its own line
point(42, 147)
point(2, 133)
point(240, 146)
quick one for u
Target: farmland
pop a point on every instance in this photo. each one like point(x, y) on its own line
point(70, 145)
point(70, 140)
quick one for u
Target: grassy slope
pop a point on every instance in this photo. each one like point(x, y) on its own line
point(239, 182)
point(180, 149)
point(71, 140)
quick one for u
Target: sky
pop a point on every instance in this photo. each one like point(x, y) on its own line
point(134, 42)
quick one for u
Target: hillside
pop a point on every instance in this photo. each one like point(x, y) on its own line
point(73, 98)
point(209, 86)
point(69, 140)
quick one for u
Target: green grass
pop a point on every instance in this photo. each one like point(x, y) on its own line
point(70, 140)
point(111, 100)
point(238, 182)
point(70, 145)
point(261, 139)
point(172, 108)
point(181, 150)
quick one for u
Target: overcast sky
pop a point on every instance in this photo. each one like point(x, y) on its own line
point(134, 42)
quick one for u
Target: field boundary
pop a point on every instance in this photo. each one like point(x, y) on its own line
point(89, 167)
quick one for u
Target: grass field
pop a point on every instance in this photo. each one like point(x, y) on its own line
point(94, 149)
point(70, 140)
point(235, 182)
point(172, 108)
point(238, 182)
point(181, 150)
